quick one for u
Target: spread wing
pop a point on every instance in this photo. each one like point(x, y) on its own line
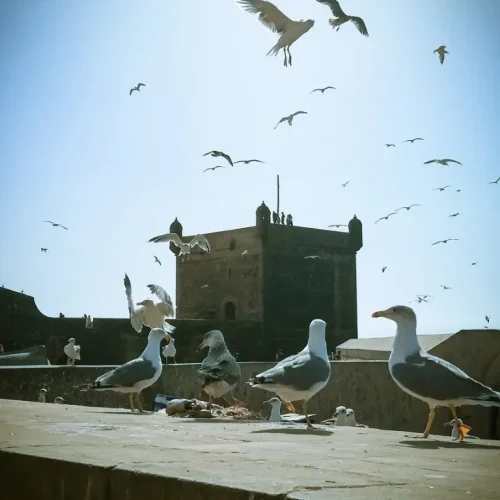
point(453, 161)
point(202, 242)
point(360, 24)
point(299, 113)
point(139, 84)
point(134, 314)
point(430, 161)
point(160, 293)
point(284, 119)
point(334, 7)
point(174, 238)
point(269, 15)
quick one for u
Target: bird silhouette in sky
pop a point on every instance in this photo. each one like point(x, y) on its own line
point(409, 206)
point(246, 162)
point(494, 182)
point(43, 249)
point(345, 184)
point(441, 51)
point(215, 154)
point(323, 89)
point(290, 118)
point(338, 225)
point(445, 287)
point(55, 224)
point(444, 161)
point(413, 140)
point(213, 168)
point(138, 88)
point(454, 215)
point(445, 241)
point(157, 259)
point(340, 17)
point(390, 145)
point(441, 189)
point(385, 217)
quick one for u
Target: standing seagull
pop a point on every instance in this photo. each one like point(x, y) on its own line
point(138, 88)
point(55, 224)
point(441, 51)
point(169, 350)
point(301, 376)
point(136, 375)
point(199, 240)
point(429, 378)
point(341, 17)
point(72, 351)
point(271, 17)
point(323, 89)
point(41, 395)
point(216, 154)
point(289, 118)
point(219, 370)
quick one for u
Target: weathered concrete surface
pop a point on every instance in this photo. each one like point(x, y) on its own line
point(365, 386)
point(58, 452)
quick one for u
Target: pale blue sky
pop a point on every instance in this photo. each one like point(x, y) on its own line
point(77, 149)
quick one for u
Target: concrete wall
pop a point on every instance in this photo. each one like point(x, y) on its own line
point(365, 386)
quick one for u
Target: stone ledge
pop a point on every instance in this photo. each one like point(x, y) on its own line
point(61, 452)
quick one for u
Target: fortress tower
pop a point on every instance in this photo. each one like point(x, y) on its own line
point(261, 273)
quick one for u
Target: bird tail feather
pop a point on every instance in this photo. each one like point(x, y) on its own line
point(274, 50)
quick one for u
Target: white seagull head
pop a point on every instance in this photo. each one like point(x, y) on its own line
point(158, 334)
point(274, 402)
point(146, 303)
point(71, 340)
point(398, 314)
point(340, 410)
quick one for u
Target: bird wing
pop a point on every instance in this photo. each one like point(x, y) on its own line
point(127, 375)
point(202, 242)
point(173, 237)
point(360, 24)
point(134, 314)
point(166, 308)
point(315, 90)
point(269, 15)
point(49, 221)
point(285, 118)
point(131, 90)
point(139, 84)
point(334, 7)
point(454, 161)
point(299, 113)
point(161, 293)
point(440, 241)
point(430, 161)
point(228, 158)
point(209, 153)
point(64, 227)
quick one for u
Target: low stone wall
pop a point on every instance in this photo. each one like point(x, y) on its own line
point(365, 386)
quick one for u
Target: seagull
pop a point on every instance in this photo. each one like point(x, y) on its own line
point(55, 224)
point(213, 168)
point(244, 252)
point(138, 88)
point(441, 189)
point(338, 225)
point(413, 140)
point(444, 161)
point(289, 118)
point(135, 375)
point(465, 429)
point(386, 217)
point(199, 240)
point(419, 300)
point(219, 370)
point(441, 51)
point(157, 259)
point(312, 257)
point(169, 350)
point(384, 268)
point(445, 287)
point(215, 154)
point(445, 241)
point(276, 415)
point(89, 322)
point(390, 145)
point(494, 182)
point(323, 89)
point(72, 351)
point(345, 184)
point(487, 319)
point(429, 378)
point(302, 375)
point(59, 400)
point(204, 286)
point(41, 395)
point(474, 264)
point(150, 314)
point(271, 17)
point(339, 417)
point(246, 162)
point(424, 296)
point(409, 206)
point(43, 250)
point(454, 215)
point(341, 17)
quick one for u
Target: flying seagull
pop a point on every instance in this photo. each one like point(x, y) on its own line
point(384, 268)
point(312, 257)
point(419, 300)
point(441, 188)
point(445, 287)
point(429, 378)
point(445, 241)
point(338, 225)
point(246, 162)
point(138, 88)
point(302, 375)
point(219, 371)
point(213, 168)
point(289, 118)
point(487, 319)
point(409, 206)
point(413, 140)
point(55, 224)
point(386, 217)
point(323, 89)
point(199, 240)
point(474, 264)
point(271, 17)
point(454, 215)
point(441, 51)
point(220, 153)
point(494, 182)
point(136, 375)
point(345, 184)
point(340, 17)
point(157, 259)
point(444, 161)
point(43, 249)
point(390, 145)
point(149, 314)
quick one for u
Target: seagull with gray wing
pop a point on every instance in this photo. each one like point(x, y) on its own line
point(219, 371)
point(216, 154)
point(385, 218)
point(444, 162)
point(213, 168)
point(454, 215)
point(289, 118)
point(323, 89)
point(271, 17)
point(246, 162)
point(429, 378)
point(135, 375)
point(300, 376)
point(445, 241)
point(340, 17)
point(138, 88)
point(413, 140)
point(441, 188)
point(185, 248)
point(408, 207)
point(494, 182)
point(157, 259)
point(441, 51)
point(55, 224)
point(338, 225)
point(390, 145)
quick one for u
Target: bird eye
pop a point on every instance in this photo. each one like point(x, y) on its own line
point(394, 309)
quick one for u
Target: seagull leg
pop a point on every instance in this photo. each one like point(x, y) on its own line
point(432, 414)
point(463, 429)
point(209, 406)
point(289, 57)
point(285, 62)
point(138, 400)
point(290, 407)
point(309, 425)
point(131, 400)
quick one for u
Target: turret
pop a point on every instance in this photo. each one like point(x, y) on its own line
point(175, 227)
point(355, 234)
point(263, 220)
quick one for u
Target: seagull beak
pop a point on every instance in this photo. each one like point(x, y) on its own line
point(201, 346)
point(448, 424)
point(378, 314)
point(140, 303)
point(268, 401)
